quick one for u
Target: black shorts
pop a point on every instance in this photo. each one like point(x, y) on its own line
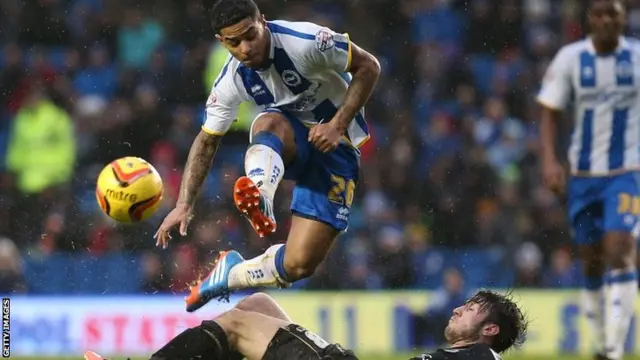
point(297, 343)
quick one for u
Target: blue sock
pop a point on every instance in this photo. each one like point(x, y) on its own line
point(268, 139)
point(593, 282)
point(279, 260)
point(263, 162)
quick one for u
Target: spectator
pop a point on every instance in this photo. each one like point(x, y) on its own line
point(138, 38)
point(41, 156)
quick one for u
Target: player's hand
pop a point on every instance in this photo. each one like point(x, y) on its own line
point(553, 175)
point(181, 215)
point(325, 137)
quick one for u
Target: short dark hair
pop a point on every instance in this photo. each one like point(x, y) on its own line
point(503, 311)
point(228, 12)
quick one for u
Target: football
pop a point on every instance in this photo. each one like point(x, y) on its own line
point(129, 189)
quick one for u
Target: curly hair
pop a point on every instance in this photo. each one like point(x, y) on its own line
point(503, 311)
point(228, 12)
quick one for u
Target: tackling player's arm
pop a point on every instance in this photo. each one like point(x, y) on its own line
point(553, 97)
point(341, 55)
point(221, 110)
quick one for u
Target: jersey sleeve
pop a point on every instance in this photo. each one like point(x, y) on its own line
point(222, 104)
point(556, 84)
point(330, 50)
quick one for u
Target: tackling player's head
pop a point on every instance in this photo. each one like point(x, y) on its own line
point(607, 20)
point(490, 318)
point(241, 28)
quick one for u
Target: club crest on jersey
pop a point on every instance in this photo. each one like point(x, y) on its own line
point(324, 40)
point(587, 72)
point(291, 78)
point(624, 69)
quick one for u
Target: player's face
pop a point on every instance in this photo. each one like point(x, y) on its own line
point(247, 41)
point(466, 324)
point(607, 20)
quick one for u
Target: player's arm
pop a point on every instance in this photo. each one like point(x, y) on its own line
point(199, 162)
point(221, 109)
point(336, 52)
point(549, 118)
point(553, 97)
point(345, 56)
point(365, 69)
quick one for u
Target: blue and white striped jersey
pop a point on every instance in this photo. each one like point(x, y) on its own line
point(307, 77)
point(604, 90)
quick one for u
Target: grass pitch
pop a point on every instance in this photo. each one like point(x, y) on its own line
point(512, 356)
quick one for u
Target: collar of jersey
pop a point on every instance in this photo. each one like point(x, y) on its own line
point(622, 42)
point(269, 61)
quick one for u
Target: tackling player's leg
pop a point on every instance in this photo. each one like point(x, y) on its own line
point(257, 328)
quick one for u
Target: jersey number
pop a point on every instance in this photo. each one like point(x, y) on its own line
point(628, 204)
point(317, 340)
point(342, 191)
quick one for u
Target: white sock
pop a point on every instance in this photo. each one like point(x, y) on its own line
point(620, 299)
point(261, 271)
point(265, 168)
point(592, 300)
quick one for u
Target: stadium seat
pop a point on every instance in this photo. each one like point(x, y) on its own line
point(482, 68)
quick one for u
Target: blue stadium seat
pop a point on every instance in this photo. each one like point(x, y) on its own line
point(89, 275)
point(429, 266)
point(482, 68)
point(474, 267)
point(127, 270)
point(175, 54)
point(483, 267)
point(57, 58)
point(50, 275)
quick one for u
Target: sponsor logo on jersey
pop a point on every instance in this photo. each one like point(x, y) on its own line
point(256, 172)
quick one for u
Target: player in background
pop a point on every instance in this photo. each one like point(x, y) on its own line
point(312, 85)
point(602, 73)
point(487, 325)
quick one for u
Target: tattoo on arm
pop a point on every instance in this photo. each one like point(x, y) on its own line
point(364, 80)
point(198, 164)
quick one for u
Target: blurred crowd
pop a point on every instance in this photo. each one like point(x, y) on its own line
point(451, 170)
